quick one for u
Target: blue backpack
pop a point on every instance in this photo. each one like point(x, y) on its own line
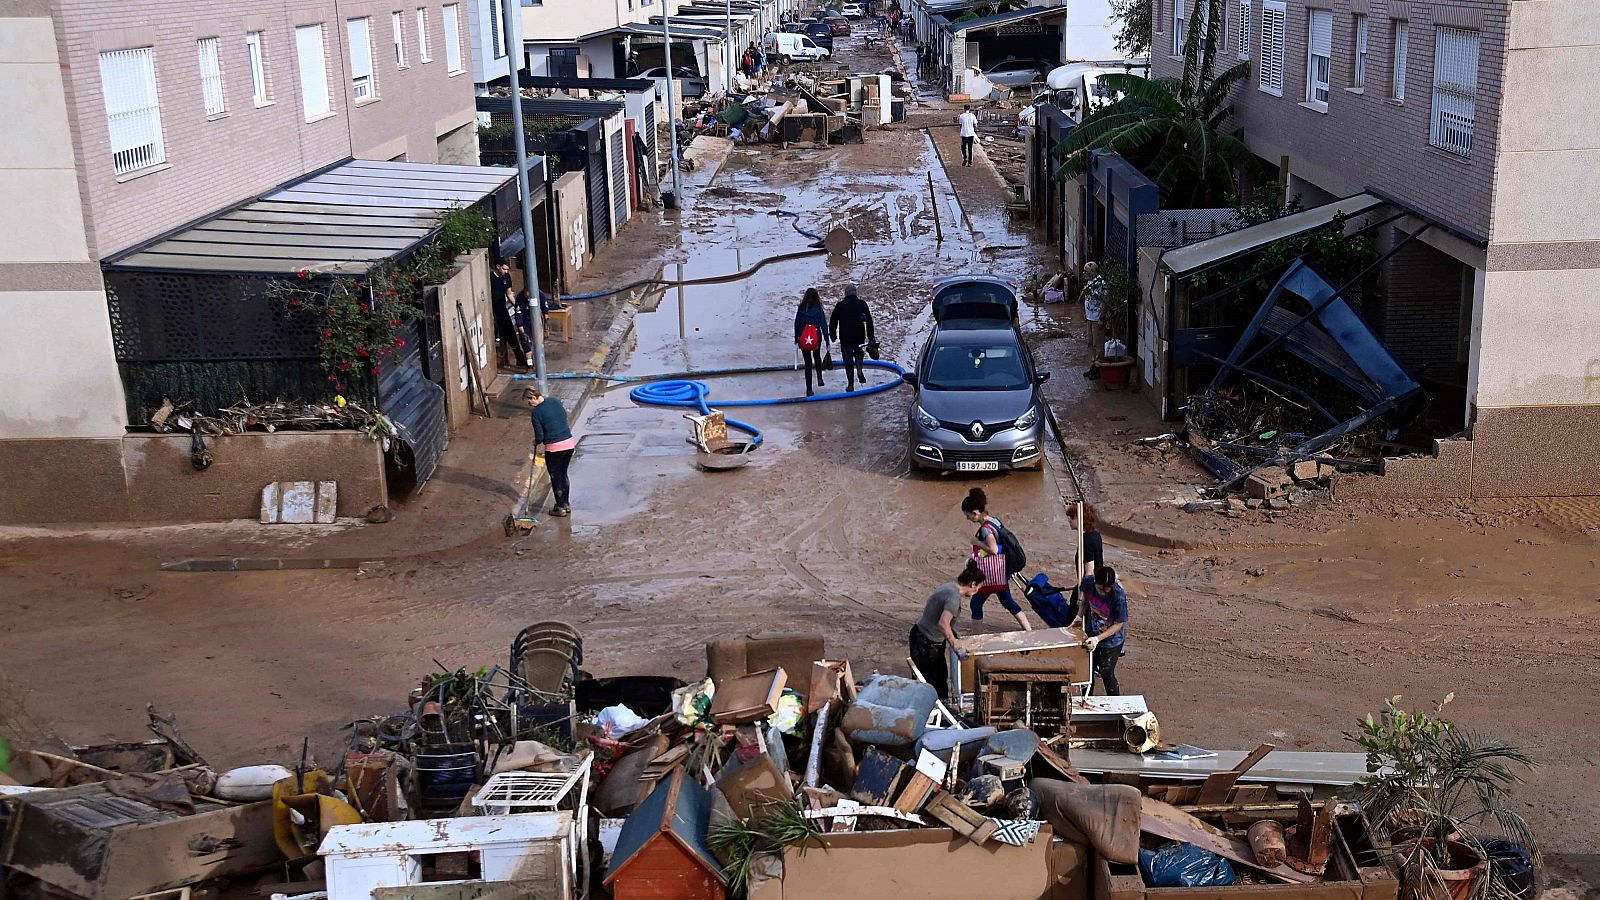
point(1051, 603)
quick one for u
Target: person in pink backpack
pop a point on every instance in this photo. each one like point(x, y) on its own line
point(811, 335)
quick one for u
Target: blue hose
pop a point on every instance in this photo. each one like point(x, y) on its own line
point(680, 390)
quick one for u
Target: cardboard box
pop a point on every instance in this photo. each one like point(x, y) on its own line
point(930, 862)
point(747, 698)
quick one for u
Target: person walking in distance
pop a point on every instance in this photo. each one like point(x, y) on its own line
point(1094, 311)
point(1105, 621)
point(851, 326)
point(811, 335)
point(989, 554)
point(550, 429)
point(969, 133)
point(935, 632)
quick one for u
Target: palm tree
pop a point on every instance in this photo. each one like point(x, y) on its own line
point(1170, 128)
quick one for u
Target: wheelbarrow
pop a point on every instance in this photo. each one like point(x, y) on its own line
point(716, 452)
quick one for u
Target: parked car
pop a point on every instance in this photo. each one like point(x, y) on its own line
point(854, 10)
point(1016, 73)
point(691, 85)
point(838, 24)
point(977, 405)
point(821, 33)
point(787, 48)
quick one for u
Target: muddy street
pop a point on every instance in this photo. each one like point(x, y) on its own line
point(1287, 635)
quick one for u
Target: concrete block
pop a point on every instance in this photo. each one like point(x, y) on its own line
point(1267, 483)
point(1306, 470)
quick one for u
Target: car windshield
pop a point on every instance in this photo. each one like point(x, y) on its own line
point(977, 367)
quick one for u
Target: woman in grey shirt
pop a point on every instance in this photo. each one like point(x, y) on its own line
point(935, 631)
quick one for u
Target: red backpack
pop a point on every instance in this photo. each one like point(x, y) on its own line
point(810, 337)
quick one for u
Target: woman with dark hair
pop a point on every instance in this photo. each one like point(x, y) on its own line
point(811, 335)
point(935, 632)
point(1105, 624)
point(550, 430)
point(989, 556)
point(1094, 552)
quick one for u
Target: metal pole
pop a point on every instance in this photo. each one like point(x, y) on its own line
point(672, 114)
point(730, 46)
point(512, 15)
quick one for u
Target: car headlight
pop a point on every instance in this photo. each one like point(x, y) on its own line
point(925, 420)
point(1027, 419)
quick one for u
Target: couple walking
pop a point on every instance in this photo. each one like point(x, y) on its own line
point(850, 325)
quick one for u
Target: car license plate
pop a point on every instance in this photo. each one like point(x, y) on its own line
point(977, 466)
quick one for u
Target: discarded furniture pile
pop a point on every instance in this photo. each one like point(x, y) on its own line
point(781, 775)
point(797, 108)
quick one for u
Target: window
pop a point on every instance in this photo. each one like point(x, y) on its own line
point(1455, 89)
point(1271, 62)
point(1242, 29)
point(133, 112)
point(1358, 66)
point(256, 51)
point(1178, 25)
point(360, 33)
point(211, 78)
point(397, 24)
point(497, 45)
point(424, 52)
point(1319, 56)
point(311, 54)
point(1402, 47)
point(452, 38)
point(564, 62)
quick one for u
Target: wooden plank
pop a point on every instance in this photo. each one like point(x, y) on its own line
point(927, 777)
point(1054, 760)
point(1164, 820)
point(1219, 784)
point(963, 819)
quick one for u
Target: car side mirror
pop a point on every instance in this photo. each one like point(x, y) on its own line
point(910, 378)
point(1041, 377)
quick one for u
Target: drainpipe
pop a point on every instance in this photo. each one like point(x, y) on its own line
point(511, 13)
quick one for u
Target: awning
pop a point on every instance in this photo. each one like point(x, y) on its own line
point(342, 220)
point(1005, 18)
point(624, 85)
point(1236, 243)
point(635, 29)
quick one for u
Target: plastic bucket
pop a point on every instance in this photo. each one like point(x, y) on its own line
point(1114, 372)
point(445, 774)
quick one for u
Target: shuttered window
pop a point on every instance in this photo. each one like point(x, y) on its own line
point(1179, 26)
point(361, 83)
point(1358, 68)
point(216, 100)
point(1242, 29)
point(1273, 16)
point(1455, 89)
point(256, 53)
point(311, 55)
point(397, 25)
point(1319, 55)
point(498, 46)
point(133, 112)
point(1402, 49)
point(452, 38)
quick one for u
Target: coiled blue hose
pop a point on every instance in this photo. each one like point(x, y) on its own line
point(679, 389)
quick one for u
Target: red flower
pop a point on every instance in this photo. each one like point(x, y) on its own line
point(294, 304)
point(393, 292)
point(339, 388)
point(361, 351)
point(327, 332)
point(344, 367)
point(332, 378)
point(395, 323)
point(304, 274)
point(374, 370)
point(365, 307)
point(399, 342)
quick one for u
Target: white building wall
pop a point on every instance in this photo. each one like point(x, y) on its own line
point(1089, 33)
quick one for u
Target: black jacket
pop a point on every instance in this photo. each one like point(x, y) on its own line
point(851, 324)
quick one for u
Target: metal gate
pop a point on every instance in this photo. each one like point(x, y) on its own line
point(415, 404)
point(650, 141)
point(619, 179)
point(599, 198)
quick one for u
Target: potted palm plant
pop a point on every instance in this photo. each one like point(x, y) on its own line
point(1437, 792)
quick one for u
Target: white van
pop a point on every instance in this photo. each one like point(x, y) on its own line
point(786, 47)
point(1077, 86)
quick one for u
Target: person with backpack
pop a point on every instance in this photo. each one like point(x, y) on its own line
point(851, 326)
point(1105, 622)
point(998, 555)
point(811, 335)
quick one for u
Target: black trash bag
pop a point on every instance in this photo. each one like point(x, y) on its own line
point(1184, 865)
point(1514, 864)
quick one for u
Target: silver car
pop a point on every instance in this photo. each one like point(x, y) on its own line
point(1016, 73)
point(977, 406)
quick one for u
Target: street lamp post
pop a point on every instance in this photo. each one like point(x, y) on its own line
point(512, 16)
point(731, 49)
point(672, 115)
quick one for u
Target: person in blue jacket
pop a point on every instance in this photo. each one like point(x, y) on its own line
point(811, 335)
point(1105, 621)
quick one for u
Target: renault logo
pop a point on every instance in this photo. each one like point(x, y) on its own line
point(977, 431)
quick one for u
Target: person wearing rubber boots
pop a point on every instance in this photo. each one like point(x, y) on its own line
point(551, 430)
point(1105, 622)
point(851, 327)
point(811, 335)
